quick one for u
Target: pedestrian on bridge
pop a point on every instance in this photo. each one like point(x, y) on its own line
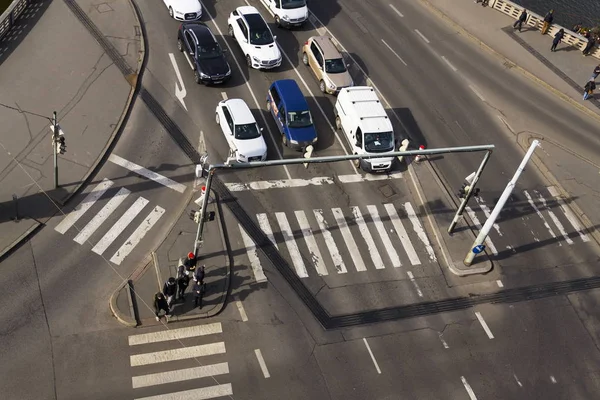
point(547, 21)
point(160, 304)
point(590, 44)
point(522, 18)
point(557, 38)
point(589, 89)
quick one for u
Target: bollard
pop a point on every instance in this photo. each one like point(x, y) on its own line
point(419, 157)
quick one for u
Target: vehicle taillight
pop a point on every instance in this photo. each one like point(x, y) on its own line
point(306, 43)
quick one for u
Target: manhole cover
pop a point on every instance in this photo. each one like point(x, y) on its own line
point(387, 191)
point(102, 8)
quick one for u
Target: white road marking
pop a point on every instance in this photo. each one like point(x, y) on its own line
point(443, 341)
point(484, 325)
point(242, 311)
point(313, 249)
point(422, 36)
point(392, 50)
point(180, 91)
point(552, 379)
point(488, 242)
point(348, 239)
point(419, 230)
point(387, 243)
point(372, 356)
point(401, 232)
point(224, 95)
point(146, 173)
point(179, 375)
point(279, 184)
point(452, 67)
point(518, 381)
point(261, 362)
point(366, 234)
point(175, 334)
point(499, 283)
point(338, 262)
point(82, 207)
point(477, 93)
point(288, 237)
point(554, 218)
point(177, 354)
point(205, 393)
point(487, 213)
point(263, 222)
point(252, 252)
point(137, 235)
point(189, 60)
point(505, 122)
point(99, 218)
point(355, 178)
point(539, 213)
point(568, 213)
point(396, 11)
point(120, 225)
point(414, 282)
point(468, 388)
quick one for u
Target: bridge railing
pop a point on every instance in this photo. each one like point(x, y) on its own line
point(11, 15)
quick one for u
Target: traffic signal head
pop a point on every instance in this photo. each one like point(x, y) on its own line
point(210, 216)
point(195, 216)
point(463, 191)
point(61, 145)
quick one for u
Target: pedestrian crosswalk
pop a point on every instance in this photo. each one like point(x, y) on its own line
point(118, 201)
point(191, 358)
point(321, 242)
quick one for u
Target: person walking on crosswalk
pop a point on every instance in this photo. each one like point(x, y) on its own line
point(160, 304)
point(170, 290)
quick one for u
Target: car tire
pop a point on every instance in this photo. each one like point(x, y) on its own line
point(305, 59)
point(277, 21)
point(197, 76)
point(268, 105)
point(322, 86)
point(284, 140)
point(230, 31)
point(171, 12)
point(180, 45)
point(338, 123)
point(248, 61)
point(217, 120)
point(356, 162)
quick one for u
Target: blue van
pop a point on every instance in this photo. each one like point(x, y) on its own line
point(290, 111)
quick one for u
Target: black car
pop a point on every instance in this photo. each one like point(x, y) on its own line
point(203, 52)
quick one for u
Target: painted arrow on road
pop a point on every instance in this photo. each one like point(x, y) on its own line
point(180, 91)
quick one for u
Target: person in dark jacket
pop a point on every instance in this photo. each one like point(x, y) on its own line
point(547, 21)
point(170, 290)
point(557, 38)
point(589, 89)
point(198, 291)
point(589, 46)
point(160, 303)
point(596, 72)
point(577, 28)
point(199, 274)
point(183, 282)
point(190, 263)
point(522, 18)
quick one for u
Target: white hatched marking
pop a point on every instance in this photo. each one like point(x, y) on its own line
point(205, 393)
point(355, 178)
point(364, 231)
point(350, 243)
point(414, 282)
point(443, 341)
point(315, 253)
point(338, 262)
point(252, 252)
point(401, 232)
point(499, 283)
point(179, 375)
point(261, 362)
point(82, 207)
point(224, 95)
point(422, 36)
point(539, 213)
point(288, 237)
point(120, 225)
point(146, 173)
point(484, 325)
point(568, 213)
point(263, 222)
point(99, 218)
point(488, 242)
point(177, 354)
point(242, 311)
point(387, 243)
point(487, 213)
point(419, 230)
point(137, 235)
point(396, 11)
point(175, 334)
point(468, 388)
point(554, 218)
point(279, 184)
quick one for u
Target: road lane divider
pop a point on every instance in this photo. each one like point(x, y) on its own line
point(484, 325)
point(452, 67)
point(499, 283)
point(418, 32)
point(252, 252)
point(477, 93)
point(440, 334)
point(392, 50)
point(414, 282)
point(396, 11)
point(261, 362)
point(242, 311)
point(372, 356)
point(146, 173)
point(468, 388)
point(224, 95)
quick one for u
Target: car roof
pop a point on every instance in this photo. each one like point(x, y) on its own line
point(202, 32)
point(291, 95)
point(240, 112)
point(244, 10)
point(327, 46)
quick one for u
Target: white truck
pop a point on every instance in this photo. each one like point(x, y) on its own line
point(366, 126)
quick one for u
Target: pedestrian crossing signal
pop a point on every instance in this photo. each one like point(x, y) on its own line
point(463, 191)
point(210, 216)
point(195, 216)
point(62, 146)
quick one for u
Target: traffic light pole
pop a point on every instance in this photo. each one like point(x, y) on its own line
point(470, 192)
point(54, 149)
point(200, 231)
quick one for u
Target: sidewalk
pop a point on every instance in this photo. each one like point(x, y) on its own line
point(132, 304)
point(68, 72)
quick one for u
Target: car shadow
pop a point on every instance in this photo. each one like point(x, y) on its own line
point(326, 135)
point(324, 11)
point(407, 128)
point(208, 7)
point(356, 65)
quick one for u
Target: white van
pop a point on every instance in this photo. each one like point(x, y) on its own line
point(366, 126)
point(287, 13)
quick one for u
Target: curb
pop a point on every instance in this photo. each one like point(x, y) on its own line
point(122, 318)
point(566, 98)
point(20, 239)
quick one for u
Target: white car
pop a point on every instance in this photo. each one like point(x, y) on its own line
point(241, 131)
point(254, 37)
point(184, 10)
point(287, 13)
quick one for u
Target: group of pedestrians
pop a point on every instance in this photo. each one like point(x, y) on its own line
point(176, 288)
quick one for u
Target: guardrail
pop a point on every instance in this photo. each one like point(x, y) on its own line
point(536, 21)
point(11, 15)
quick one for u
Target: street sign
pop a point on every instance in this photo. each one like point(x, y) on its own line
point(478, 249)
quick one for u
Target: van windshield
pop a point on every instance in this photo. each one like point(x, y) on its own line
point(291, 4)
point(380, 142)
point(299, 119)
point(246, 131)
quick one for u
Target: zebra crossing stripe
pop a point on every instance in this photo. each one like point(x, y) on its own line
point(364, 231)
point(315, 253)
point(338, 262)
point(488, 241)
point(99, 218)
point(252, 251)
point(263, 222)
point(288, 237)
point(137, 235)
point(412, 216)
point(175, 334)
point(179, 375)
point(401, 232)
point(82, 207)
point(554, 219)
point(350, 243)
point(387, 243)
point(182, 353)
point(120, 225)
point(487, 213)
point(146, 173)
point(568, 213)
point(204, 393)
point(539, 213)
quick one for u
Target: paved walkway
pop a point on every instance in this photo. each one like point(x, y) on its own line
point(51, 62)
